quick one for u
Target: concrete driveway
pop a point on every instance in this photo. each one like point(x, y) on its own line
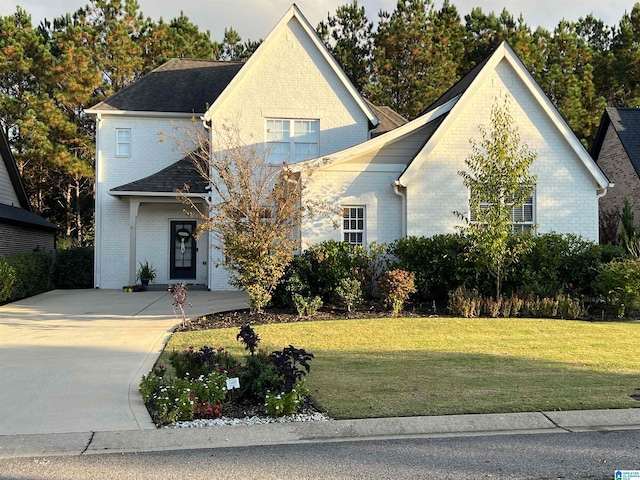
point(71, 360)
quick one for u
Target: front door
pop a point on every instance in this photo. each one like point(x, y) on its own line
point(183, 250)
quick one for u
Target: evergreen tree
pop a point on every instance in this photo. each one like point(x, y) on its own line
point(349, 37)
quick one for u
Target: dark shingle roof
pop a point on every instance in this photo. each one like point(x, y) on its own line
point(389, 119)
point(180, 85)
point(23, 214)
point(169, 179)
point(20, 216)
point(626, 122)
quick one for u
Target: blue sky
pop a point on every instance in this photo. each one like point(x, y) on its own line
point(253, 19)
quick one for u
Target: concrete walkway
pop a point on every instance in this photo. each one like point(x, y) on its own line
point(71, 360)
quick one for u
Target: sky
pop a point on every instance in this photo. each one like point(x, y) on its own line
point(253, 19)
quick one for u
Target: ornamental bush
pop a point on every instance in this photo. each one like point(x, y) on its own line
point(395, 287)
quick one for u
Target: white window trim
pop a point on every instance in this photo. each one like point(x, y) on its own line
point(515, 225)
point(292, 137)
point(119, 143)
point(350, 231)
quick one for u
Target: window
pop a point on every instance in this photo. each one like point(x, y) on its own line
point(123, 142)
point(292, 140)
point(522, 216)
point(353, 225)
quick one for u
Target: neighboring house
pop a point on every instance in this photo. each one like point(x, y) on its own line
point(616, 150)
point(391, 178)
point(21, 230)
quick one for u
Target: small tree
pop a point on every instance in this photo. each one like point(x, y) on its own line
point(254, 209)
point(499, 180)
point(628, 235)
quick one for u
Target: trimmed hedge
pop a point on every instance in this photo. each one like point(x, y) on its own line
point(73, 268)
point(24, 275)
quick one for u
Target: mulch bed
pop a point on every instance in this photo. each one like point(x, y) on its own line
point(237, 318)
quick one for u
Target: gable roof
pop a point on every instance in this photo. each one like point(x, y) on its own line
point(177, 86)
point(164, 182)
point(295, 13)
point(22, 214)
point(466, 87)
point(626, 123)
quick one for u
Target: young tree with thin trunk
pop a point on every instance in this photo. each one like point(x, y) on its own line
point(499, 180)
point(254, 209)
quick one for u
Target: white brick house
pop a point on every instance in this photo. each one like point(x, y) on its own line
point(292, 99)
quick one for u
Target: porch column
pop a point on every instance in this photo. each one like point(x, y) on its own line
point(133, 216)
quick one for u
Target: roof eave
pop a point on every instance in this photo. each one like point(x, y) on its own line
point(142, 113)
point(123, 193)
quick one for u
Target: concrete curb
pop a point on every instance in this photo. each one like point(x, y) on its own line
point(130, 441)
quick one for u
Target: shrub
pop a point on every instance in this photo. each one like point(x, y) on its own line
point(438, 263)
point(286, 403)
point(619, 283)
point(318, 270)
point(395, 287)
point(258, 377)
point(349, 291)
point(307, 306)
point(73, 268)
point(292, 364)
point(464, 303)
point(249, 338)
point(31, 274)
point(179, 399)
point(7, 281)
point(191, 363)
point(559, 264)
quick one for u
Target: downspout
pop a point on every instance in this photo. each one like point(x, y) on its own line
point(209, 200)
point(97, 245)
point(401, 191)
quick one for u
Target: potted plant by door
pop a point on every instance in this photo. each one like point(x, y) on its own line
point(146, 273)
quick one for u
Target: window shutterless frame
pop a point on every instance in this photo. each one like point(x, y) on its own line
point(290, 140)
point(123, 142)
point(353, 225)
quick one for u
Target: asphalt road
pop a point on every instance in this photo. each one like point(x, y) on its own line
point(575, 456)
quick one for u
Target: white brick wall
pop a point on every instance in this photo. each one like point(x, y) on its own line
point(566, 193)
point(291, 79)
point(148, 156)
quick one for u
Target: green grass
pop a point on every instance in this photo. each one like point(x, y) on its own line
point(435, 366)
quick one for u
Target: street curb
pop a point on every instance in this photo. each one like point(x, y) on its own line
point(137, 441)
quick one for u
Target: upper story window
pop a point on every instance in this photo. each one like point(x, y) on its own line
point(353, 225)
point(292, 140)
point(521, 217)
point(123, 142)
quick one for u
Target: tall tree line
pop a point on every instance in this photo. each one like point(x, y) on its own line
point(50, 73)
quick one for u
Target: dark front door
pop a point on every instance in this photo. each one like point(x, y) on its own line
point(183, 250)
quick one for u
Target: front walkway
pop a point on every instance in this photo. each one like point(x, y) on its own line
point(71, 360)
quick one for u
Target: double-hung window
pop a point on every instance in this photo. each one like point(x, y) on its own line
point(521, 216)
point(292, 140)
point(353, 225)
point(123, 142)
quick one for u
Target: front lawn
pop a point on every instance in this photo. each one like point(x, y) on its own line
point(433, 366)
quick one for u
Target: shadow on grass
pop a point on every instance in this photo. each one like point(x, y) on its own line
point(357, 384)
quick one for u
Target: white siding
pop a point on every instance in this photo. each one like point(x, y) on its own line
point(7, 193)
point(566, 192)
